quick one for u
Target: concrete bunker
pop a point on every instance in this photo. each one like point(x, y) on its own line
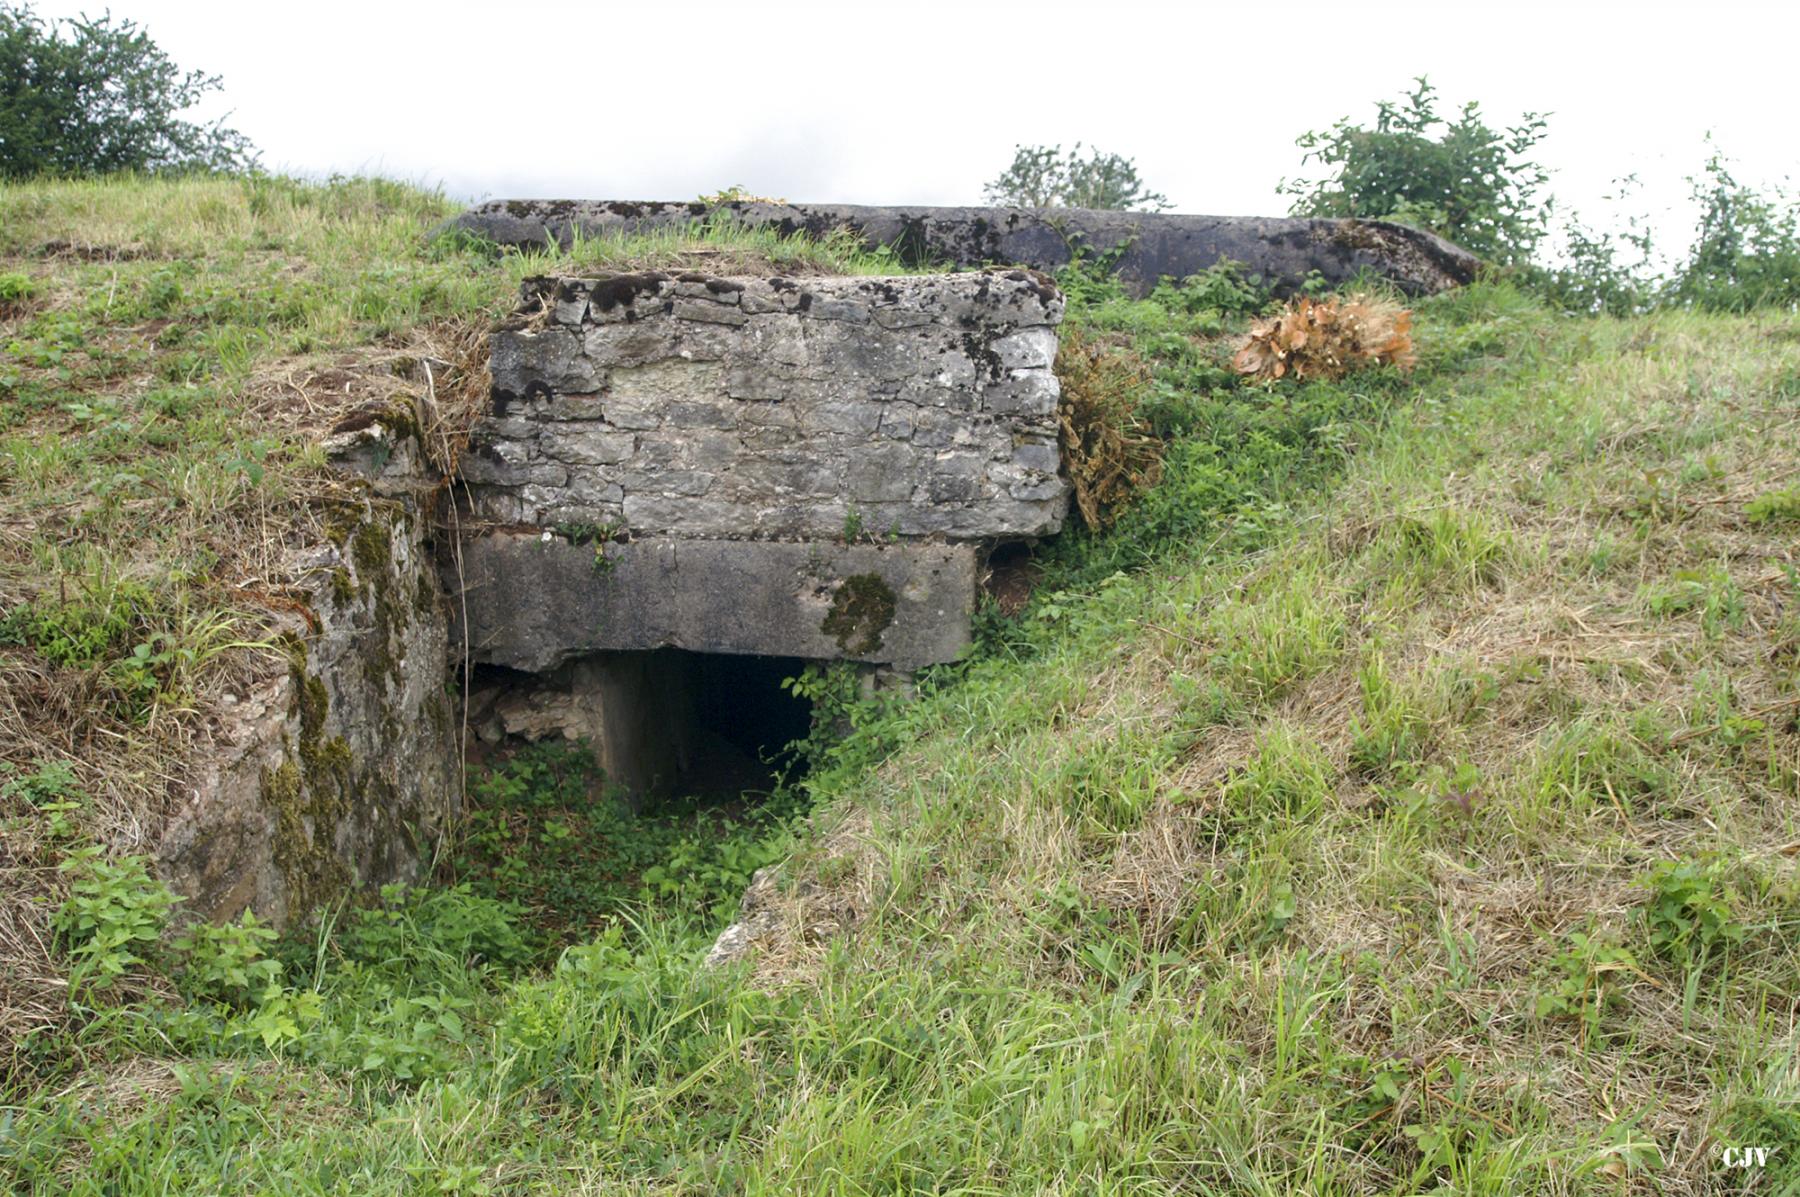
point(662, 723)
point(679, 476)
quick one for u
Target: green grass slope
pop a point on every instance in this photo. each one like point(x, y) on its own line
point(1401, 799)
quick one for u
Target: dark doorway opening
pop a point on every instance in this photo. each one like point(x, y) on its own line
point(743, 722)
point(627, 780)
point(661, 725)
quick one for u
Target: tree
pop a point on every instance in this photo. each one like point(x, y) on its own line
point(1460, 179)
point(1746, 252)
point(89, 96)
point(1046, 177)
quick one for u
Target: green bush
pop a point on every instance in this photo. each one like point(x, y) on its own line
point(1461, 178)
point(96, 95)
point(1746, 252)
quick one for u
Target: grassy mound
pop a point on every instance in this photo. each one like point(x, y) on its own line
point(1400, 797)
point(170, 353)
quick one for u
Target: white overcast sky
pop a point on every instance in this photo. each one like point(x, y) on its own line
point(921, 104)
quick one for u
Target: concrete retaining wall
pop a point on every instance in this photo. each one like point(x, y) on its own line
point(1148, 245)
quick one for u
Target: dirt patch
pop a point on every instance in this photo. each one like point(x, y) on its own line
point(77, 251)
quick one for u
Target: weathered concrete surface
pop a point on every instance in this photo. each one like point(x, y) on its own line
point(635, 710)
point(748, 408)
point(339, 771)
point(1282, 250)
point(535, 600)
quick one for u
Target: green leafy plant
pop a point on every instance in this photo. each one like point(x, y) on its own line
point(454, 926)
point(1692, 911)
point(50, 791)
point(1776, 506)
point(1586, 978)
point(1461, 178)
point(229, 962)
point(1597, 270)
point(112, 918)
point(16, 288)
point(1044, 176)
point(710, 871)
point(1746, 251)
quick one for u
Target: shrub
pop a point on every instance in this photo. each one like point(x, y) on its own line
point(91, 96)
point(1109, 453)
point(1328, 338)
point(1046, 176)
point(1459, 178)
point(1746, 252)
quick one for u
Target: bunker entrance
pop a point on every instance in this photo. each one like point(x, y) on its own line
point(662, 724)
point(742, 723)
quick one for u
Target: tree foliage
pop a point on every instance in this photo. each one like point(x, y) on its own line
point(1746, 251)
point(1047, 176)
point(96, 95)
point(1461, 178)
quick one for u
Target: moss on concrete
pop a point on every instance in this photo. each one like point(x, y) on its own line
point(861, 610)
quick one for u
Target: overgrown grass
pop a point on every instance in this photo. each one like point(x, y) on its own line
point(170, 352)
point(544, 832)
point(1417, 818)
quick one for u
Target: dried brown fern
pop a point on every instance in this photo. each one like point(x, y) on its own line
point(1109, 453)
point(1328, 338)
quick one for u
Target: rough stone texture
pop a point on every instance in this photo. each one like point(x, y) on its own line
point(757, 920)
point(777, 409)
point(341, 771)
point(1282, 250)
point(635, 710)
point(535, 600)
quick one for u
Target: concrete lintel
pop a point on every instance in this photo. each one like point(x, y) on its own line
point(535, 602)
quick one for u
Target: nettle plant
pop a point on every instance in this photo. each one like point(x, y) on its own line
point(112, 919)
point(1692, 914)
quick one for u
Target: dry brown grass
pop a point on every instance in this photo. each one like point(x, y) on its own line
point(1108, 453)
point(1328, 338)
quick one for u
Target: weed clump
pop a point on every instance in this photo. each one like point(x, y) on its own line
point(1328, 338)
point(1108, 450)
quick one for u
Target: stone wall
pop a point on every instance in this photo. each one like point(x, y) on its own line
point(337, 770)
point(778, 467)
point(710, 408)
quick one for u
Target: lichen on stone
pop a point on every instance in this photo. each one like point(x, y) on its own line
point(861, 610)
